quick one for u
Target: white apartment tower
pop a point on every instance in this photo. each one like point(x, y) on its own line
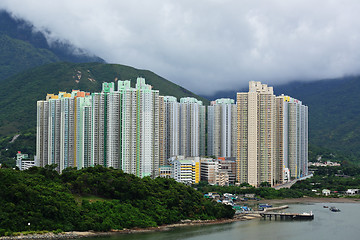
point(114, 128)
point(222, 128)
point(192, 127)
point(83, 136)
point(133, 129)
point(292, 131)
point(171, 126)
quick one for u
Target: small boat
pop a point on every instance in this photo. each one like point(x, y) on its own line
point(325, 206)
point(334, 209)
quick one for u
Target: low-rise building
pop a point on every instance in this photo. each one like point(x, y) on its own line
point(222, 178)
point(228, 169)
point(23, 161)
point(326, 192)
point(325, 164)
point(208, 170)
point(219, 171)
point(166, 171)
point(187, 170)
point(353, 191)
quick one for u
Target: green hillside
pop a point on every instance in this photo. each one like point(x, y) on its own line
point(22, 47)
point(334, 113)
point(20, 93)
point(17, 55)
point(97, 199)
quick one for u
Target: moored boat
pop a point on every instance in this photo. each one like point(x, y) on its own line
point(334, 209)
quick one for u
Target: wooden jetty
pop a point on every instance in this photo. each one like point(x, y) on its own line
point(287, 216)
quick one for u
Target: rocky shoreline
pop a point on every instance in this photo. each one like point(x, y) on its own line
point(184, 223)
point(313, 200)
point(76, 234)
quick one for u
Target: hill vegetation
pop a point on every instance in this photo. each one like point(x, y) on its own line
point(20, 93)
point(17, 55)
point(97, 199)
point(333, 113)
point(23, 47)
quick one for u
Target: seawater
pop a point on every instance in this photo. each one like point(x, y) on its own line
point(327, 225)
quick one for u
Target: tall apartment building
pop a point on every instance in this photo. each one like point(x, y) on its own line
point(256, 134)
point(42, 132)
point(192, 127)
point(56, 135)
point(132, 129)
point(171, 126)
point(292, 130)
point(99, 125)
point(114, 128)
point(83, 134)
point(272, 136)
point(222, 128)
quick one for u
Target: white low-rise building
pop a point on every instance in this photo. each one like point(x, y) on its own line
point(326, 192)
point(23, 161)
point(353, 191)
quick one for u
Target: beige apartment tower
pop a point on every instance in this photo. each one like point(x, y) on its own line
point(256, 121)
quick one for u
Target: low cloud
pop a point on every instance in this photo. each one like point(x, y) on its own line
point(207, 46)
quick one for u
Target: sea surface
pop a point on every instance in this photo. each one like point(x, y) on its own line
point(327, 225)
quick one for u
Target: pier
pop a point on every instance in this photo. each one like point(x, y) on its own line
point(287, 216)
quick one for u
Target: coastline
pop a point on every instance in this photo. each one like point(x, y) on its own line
point(184, 223)
point(313, 200)
point(77, 234)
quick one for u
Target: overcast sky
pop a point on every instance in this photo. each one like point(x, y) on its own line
point(212, 45)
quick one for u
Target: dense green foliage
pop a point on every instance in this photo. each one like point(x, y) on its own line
point(320, 154)
point(24, 142)
point(20, 93)
point(333, 178)
point(263, 192)
point(49, 201)
point(17, 55)
point(334, 114)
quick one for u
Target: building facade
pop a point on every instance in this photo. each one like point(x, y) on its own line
point(186, 170)
point(222, 128)
point(272, 136)
point(136, 130)
point(192, 127)
point(113, 128)
point(256, 134)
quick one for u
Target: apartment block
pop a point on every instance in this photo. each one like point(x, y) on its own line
point(272, 136)
point(113, 128)
point(256, 134)
point(186, 170)
point(192, 127)
point(222, 128)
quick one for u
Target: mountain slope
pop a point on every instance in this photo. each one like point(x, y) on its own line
point(334, 113)
point(22, 55)
point(22, 47)
point(20, 93)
